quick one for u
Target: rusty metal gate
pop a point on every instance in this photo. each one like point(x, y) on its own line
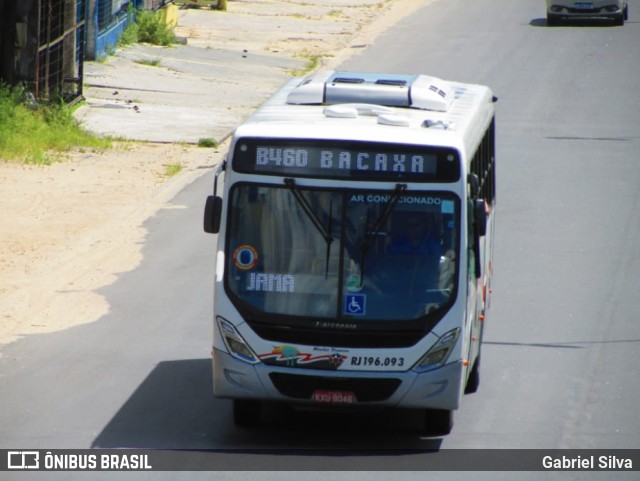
point(60, 50)
point(43, 43)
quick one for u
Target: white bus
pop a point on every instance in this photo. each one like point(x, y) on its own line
point(353, 263)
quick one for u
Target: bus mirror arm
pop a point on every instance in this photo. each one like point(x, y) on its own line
point(474, 185)
point(221, 168)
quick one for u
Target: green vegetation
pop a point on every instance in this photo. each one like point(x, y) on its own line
point(39, 133)
point(148, 27)
point(172, 169)
point(212, 4)
point(129, 36)
point(313, 61)
point(208, 142)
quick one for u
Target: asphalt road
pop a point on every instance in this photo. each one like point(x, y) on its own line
point(561, 352)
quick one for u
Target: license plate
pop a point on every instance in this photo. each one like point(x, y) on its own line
point(584, 6)
point(333, 397)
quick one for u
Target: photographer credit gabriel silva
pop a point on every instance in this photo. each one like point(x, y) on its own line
point(609, 462)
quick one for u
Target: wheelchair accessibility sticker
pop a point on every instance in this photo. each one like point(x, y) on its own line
point(355, 304)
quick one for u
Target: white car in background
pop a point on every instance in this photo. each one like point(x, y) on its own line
point(558, 10)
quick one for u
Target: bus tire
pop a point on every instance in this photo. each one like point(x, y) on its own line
point(438, 422)
point(473, 382)
point(246, 413)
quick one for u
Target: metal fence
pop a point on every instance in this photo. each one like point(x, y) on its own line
point(42, 46)
point(60, 49)
point(43, 43)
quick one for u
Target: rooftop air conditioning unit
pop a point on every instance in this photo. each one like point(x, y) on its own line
point(391, 90)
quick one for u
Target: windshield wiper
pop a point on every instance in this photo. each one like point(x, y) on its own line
point(370, 234)
point(326, 234)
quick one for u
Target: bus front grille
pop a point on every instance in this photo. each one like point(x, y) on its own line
point(365, 389)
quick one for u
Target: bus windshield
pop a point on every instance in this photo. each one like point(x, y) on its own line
point(341, 254)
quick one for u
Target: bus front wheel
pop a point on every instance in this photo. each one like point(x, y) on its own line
point(553, 21)
point(438, 422)
point(474, 378)
point(246, 413)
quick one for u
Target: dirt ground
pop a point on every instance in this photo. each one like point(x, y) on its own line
point(72, 227)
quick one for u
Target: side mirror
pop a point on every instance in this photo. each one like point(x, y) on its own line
point(212, 214)
point(474, 185)
point(480, 217)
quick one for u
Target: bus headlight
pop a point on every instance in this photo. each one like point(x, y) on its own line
point(439, 352)
point(236, 346)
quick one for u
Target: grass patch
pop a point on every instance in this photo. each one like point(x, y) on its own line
point(172, 169)
point(313, 61)
point(148, 27)
point(130, 35)
point(212, 4)
point(208, 142)
point(40, 133)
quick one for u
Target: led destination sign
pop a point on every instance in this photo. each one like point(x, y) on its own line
point(346, 160)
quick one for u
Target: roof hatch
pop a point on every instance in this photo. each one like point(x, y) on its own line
point(391, 90)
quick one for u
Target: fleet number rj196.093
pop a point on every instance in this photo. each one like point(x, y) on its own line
point(377, 361)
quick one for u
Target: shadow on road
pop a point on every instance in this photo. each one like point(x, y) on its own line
point(174, 408)
point(575, 22)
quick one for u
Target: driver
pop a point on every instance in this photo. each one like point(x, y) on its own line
point(417, 237)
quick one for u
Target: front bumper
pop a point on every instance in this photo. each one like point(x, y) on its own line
point(585, 9)
point(439, 388)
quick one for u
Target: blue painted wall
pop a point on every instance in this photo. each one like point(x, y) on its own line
point(107, 39)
